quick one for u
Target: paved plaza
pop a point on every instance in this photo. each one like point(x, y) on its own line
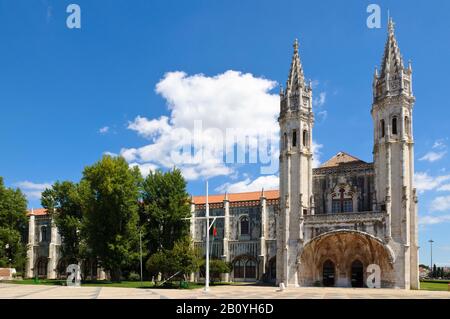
point(12, 291)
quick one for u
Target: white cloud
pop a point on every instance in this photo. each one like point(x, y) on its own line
point(322, 115)
point(424, 182)
point(320, 100)
point(440, 150)
point(247, 185)
point(440, 204)
point(231, 100)
point(439, 144)
point(145, 168)
point(150, 128)
point(432, 156)
point(432, 220)
point(110, 154)
point(104, 130)
point(316, 154)
point(32, 190)
point(444, 188)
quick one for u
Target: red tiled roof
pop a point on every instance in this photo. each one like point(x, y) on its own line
point(37, 212)
point(341, 158)
point(237, 197)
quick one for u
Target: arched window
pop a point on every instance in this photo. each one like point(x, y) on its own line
point(342, 204)
point(250, 269)
point(44, 234)
point(238, 269)
point(245, 229)
point(294, 138)
point(394, 125)
point(244, 268)
point(305, 138)
point(382, 128)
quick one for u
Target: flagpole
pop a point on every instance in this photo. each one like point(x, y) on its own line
point(207, 241)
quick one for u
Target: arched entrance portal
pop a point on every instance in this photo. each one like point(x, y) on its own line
point(328, 273)
point(339, 258)
point(357, 274)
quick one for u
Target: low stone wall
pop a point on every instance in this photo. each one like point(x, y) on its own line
point(7, 273)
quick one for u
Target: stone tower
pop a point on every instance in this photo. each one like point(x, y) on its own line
point(393, 152)
point(296, 122)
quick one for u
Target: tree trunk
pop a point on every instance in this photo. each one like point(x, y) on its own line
point(116, 274)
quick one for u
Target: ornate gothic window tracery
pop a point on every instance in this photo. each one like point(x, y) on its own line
point(245, 227)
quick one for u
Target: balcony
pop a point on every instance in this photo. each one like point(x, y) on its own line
point(344, 218)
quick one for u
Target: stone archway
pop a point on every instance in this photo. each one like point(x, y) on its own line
point(343, 248)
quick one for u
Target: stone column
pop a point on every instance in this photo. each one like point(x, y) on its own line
point(226, 235)
point(262, 240)
point(52, 254)
point(30, 249)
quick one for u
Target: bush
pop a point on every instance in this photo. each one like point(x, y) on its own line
point(133, 276)
point(216, 268)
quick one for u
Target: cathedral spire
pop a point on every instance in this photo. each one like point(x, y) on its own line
point(392, 62)
point(296, 78)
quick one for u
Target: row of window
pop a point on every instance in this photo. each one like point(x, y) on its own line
point(305, 138)
point(244, 227)
point(395, 126)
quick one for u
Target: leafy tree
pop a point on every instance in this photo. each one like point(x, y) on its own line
point(165, 205)
point(63, 201)
point(110, 197)
point(434, 272)
point(13, 226)
point(182, 258)
point(216, 268)
point(424, 266)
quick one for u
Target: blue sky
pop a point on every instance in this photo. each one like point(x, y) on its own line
point(68, 96)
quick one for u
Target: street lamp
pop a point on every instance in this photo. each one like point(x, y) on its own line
point(431, 241)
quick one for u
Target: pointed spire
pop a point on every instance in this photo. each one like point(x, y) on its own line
point(226, 196)
point(262, 192)
point(392, 62)
point(296, 78)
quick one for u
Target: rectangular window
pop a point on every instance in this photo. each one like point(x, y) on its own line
point(336, 206)
point(294, 138)
point(348, 206)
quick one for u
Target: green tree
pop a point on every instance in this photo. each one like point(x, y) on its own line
point(63, 201)
point(216, 268)
point(13, 226)
point(182, 259)
point(165, 205)
point(110, 197)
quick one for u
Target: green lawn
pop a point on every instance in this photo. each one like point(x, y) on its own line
point(437, 285)
point(104, 283)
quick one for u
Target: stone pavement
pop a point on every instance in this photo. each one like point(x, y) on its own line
point(11, 291)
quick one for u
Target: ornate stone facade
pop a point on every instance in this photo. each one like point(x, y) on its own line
point(326, 225)
point(44, 251)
